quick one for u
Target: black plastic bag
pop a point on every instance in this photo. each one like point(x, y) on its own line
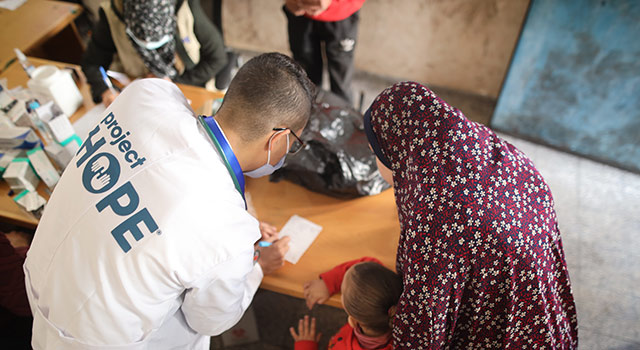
point(336, 160)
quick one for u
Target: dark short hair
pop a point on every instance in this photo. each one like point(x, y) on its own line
point(373, 290)
point(270, 90)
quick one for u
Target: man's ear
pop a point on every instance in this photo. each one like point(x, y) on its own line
point(279, 137)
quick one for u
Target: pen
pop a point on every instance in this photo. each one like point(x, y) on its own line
point(107, 80)
point(264, 244)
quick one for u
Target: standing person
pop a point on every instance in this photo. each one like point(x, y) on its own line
point(146, 242)
point(171, 39)
point(480, 252)
point(334, 23)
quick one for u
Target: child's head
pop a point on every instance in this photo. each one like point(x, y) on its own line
point(370, 293)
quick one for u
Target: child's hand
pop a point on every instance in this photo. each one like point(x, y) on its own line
point(315, 292)
point(306, 330)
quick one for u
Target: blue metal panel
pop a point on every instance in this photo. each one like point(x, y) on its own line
point(574, 81)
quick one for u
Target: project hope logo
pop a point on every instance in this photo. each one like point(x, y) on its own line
point(101, 173)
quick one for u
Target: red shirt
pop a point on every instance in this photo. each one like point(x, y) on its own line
point(338, 10)
point(345, 339)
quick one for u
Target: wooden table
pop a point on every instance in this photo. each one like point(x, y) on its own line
point(366, 226)
point(10, 212)
point(42, 29)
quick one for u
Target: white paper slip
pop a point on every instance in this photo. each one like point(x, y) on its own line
point(302, 233)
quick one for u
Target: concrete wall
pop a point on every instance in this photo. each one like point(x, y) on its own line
point(458, 44)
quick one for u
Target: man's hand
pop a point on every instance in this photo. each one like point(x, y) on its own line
point(306, 330)
point(108, 96)
point(268, 231)
point(272, 257)
point(315, 292)
point(314, 7)
point(294, 7)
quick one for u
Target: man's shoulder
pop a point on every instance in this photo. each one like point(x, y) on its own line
point(155, 87)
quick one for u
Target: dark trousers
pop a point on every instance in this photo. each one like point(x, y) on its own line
point(305, 40)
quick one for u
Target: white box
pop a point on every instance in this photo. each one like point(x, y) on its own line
point(64, 152)
point(31, 201)
point(20, 176)
point(55, 121)
point(18, 137)
point(59, 154)
point(43, 167)
point(244, 332)
point(7, 157)
point(58, 85)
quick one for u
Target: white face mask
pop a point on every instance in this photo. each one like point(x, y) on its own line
point(149, 45)
point(268, 169)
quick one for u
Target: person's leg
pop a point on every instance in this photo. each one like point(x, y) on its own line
point(340, 42)
point(305, 45)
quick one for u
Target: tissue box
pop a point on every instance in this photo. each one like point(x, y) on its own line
point(20, 176)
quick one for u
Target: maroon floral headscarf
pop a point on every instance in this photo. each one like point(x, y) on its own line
point(479, 252)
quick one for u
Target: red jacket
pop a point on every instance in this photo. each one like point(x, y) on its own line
point(339, 10)
point(345, 339)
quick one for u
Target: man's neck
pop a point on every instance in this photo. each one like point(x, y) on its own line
point(241, 150)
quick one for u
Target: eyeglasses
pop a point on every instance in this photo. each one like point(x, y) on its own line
point(297, 145)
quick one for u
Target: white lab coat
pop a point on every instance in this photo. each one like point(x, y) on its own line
point(187, 275)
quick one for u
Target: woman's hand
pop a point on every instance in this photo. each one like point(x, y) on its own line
point(306, 330)
point(315, 292)
point(18, 239)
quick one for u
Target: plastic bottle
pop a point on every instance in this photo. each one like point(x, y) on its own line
point(24, 62)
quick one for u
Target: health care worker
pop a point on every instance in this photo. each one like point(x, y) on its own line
point(145, 242)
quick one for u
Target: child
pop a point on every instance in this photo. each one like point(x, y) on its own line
point(370, 293)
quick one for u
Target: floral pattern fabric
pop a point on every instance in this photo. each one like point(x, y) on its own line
point(480, 251)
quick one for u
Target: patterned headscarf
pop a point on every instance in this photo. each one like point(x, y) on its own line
point(152, 21)
point(479, 252)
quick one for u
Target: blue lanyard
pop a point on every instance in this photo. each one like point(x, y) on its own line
point(223, 147)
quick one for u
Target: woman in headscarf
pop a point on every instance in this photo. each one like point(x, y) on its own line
point(480, 252)
point(171, 39)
